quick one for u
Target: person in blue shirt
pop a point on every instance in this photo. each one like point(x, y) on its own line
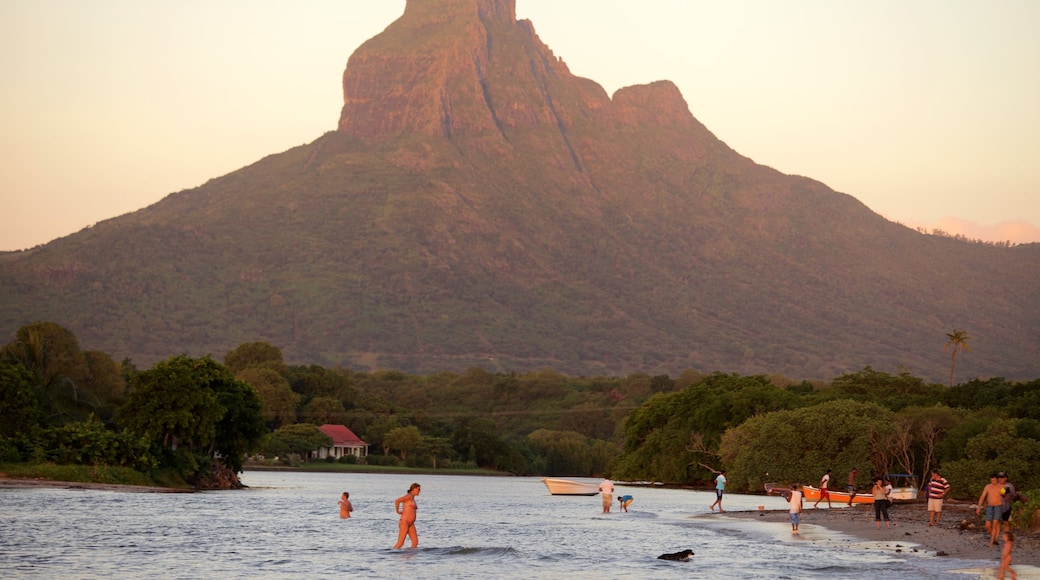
point(720, 486)
point(625, 501)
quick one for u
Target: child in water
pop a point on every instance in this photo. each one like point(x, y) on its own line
point(345, 506)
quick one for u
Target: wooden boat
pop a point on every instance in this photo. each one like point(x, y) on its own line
point(812, 494)
point(568, 487)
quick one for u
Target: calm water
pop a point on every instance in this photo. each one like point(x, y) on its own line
point(287, 525)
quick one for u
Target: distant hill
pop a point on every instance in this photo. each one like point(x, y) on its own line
point(479, 205)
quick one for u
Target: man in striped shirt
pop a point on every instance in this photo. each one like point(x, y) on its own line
point(937, 490)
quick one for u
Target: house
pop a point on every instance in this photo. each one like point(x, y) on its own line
point(344, 442)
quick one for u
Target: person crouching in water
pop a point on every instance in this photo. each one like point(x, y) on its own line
point(624, 501)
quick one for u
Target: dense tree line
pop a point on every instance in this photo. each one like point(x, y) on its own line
point(185, 415)
point(875, 421)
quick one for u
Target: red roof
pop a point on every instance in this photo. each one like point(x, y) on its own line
point(341, 436)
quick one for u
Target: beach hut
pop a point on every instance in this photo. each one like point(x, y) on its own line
point(344, 443)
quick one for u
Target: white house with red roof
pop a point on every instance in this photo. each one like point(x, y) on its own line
point(344, 442)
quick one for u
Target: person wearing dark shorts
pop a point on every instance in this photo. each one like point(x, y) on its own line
point(852, 484)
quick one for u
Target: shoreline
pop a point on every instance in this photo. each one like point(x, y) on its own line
point(32, 482)
point(957, 535)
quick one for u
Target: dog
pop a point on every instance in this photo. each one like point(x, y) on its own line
point(682, 556)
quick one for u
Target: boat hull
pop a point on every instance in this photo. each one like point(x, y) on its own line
point(568, 487)
point(813, 493)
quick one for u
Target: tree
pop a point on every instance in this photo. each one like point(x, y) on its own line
point(437, 447)
point(300, 438)
point(278, 401)
point(194, 406)
point(957, 341)
point(322, 410)
point(999, 447)
point(658, 433)
point(241, 428)
point(255, 354)
point(791, 445)
point(403, 439)
point(18, 404)
point(52, 356)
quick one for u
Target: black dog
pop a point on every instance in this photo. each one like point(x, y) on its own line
point(678, 556)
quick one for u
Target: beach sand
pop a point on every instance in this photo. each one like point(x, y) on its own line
point(910, 532)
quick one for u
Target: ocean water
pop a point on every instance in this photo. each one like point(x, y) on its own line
point(287, 525)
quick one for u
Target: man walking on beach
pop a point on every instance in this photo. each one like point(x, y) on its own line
point(994, 502)
point(720, 486)
point(938, 487)
point(825, 493)
point(1008, 495)
point(852, 484)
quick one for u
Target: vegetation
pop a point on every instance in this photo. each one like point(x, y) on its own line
point(958, 341)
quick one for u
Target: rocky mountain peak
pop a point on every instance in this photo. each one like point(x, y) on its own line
point(459, 67)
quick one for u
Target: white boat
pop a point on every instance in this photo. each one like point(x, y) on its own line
point(568, 487)
point(904, 485)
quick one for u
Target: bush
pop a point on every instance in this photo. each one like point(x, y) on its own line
point(1027, 515)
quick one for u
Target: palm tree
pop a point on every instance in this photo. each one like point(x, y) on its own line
point(958, 339)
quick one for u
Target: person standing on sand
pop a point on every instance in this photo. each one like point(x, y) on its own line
point(720, 486)
point(606, 490)
point(796, 506)
point(938, 487)
point(825, 493)
point(880, 493)
point(405, 506)
point(852, 484)
point(1005, 556)
point(994, 502)
point(1008, 495)
point(345, 506)
point(880, 502)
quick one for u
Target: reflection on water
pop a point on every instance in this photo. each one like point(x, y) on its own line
point(288, 525)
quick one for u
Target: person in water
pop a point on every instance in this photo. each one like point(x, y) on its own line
point(405, 506)
point(345, 506)
point(625, 501)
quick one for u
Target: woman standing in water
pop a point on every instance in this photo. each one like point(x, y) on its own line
point(405, 506)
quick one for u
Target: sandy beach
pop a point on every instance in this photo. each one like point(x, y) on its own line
point(909, 532)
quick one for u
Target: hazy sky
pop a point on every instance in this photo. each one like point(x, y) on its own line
point(925, 110)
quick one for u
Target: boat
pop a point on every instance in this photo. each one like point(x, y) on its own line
point(568, 487)
point(904, 485)
point(777, 489)
point(811, 493)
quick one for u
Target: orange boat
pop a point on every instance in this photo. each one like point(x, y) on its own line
point(813, 493)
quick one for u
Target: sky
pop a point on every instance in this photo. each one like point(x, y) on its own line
point(924, 110)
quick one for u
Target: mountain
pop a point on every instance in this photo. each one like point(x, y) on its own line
point(479, 205)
